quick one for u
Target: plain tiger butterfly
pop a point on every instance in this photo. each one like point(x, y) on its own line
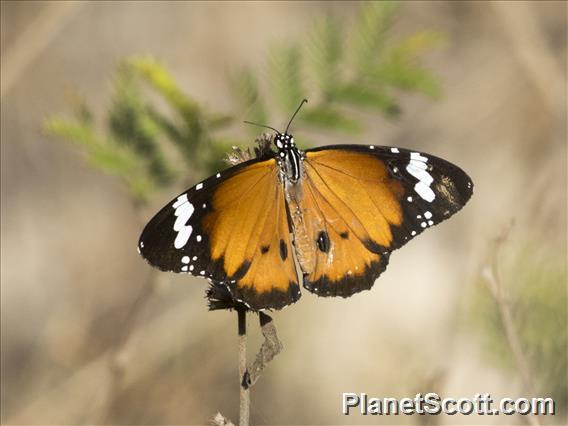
point(333, 212)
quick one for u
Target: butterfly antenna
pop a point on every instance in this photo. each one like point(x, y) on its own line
point(261, 125)
point(298, 109)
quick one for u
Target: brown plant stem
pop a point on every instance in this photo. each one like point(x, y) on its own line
point(249, 375)
point(491, 276)
point(269, 349)
point(244, 390)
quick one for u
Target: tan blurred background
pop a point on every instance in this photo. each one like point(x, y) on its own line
point(70, 273)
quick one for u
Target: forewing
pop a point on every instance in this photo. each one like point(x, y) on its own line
point(363, 202)
point(233, 229)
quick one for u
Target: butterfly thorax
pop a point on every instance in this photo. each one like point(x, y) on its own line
point(289, 158)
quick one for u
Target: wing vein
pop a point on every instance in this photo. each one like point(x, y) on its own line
point(339, 198)
point(234, 219)
point(344, 173)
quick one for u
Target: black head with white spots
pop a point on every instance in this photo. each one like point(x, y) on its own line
point(283, 142)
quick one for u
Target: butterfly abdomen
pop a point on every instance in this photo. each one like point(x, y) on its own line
point(303, 244)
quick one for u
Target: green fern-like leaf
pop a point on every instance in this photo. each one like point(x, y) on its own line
point(409, 78)
point(329, 118)
point(192, 126)
point(412, 46)
point(246, 92)
point(132, 125)
point(400, 68)
point(369, 36)
point(325, 52)
point(104, 154)
point(366, 97)
point(285, 71)
point(216, 121)
point(159, 78)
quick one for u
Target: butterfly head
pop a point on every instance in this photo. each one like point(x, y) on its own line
point(283, 141)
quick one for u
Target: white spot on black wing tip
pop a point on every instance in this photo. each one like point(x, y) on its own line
point(430, 222)
point(184, 268)
point(202, 273)
point(180, 200)
point(428, 215)
point(413, 233)
point(185, 259)
point(194, 258)
point(141, 244)
point(423, 224)
point(409, 199)
point(372, 146)
point(218, 175)
point(183, 212)
point(418, 167)
point(198, 238)
point(395, 150)
point(424, 191)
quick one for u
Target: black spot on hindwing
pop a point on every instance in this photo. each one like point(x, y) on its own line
point(283, 250)
point(264, 249)
point(323, 242)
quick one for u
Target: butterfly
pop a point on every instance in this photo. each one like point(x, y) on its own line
point(333, 213)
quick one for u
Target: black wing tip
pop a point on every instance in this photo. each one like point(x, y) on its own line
point(151, 259)
point(462, 182)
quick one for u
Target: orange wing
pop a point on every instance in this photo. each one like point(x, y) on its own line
point(235, 231)
point(249, 238)
point(359, 204)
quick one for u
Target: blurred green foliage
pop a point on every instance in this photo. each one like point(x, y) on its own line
point(534, 285)
point(340, 67)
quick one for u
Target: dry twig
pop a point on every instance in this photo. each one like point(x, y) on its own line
point(244, 391)
point(220, 420)
point(491, 276)
point(269, 349)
